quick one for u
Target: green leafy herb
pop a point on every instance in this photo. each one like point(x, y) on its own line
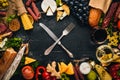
point(118, 72)
point(9, 19)
point(14, 43)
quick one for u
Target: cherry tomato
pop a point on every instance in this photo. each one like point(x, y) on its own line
point(27, 72)
point(118, 24)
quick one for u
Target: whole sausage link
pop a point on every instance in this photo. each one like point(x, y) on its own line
point(29, 2)
point(32, 13)
point(36, 10)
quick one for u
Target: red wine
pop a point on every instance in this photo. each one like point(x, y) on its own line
point(99, 36)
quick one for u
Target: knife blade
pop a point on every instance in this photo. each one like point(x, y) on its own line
point(55, 38)
point(14, 65)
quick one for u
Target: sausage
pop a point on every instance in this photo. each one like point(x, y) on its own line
point(79, 73)
point(32, 13)
point(3, 13)
point(29, 2)
point(109, 15)
point(36, 10)
point(117, 13)
point(75, 73)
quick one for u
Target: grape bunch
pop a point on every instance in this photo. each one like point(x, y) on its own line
point(79, 8)
point(3, 4)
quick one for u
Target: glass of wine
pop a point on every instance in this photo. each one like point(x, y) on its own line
point(99, 36)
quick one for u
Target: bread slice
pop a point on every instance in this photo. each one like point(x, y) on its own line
point(6, 60)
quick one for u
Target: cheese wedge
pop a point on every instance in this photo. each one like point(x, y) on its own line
point(29, 60)
point(62, 67)
point(66, 9)
point(49, 12)
point(63, 15)
point(70, 70)
point(59, 15)
point(49, 7)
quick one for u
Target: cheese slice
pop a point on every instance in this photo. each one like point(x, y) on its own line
point(63, 15)
point(49, 12)
point(29, 60)
point(59, 8)
point(59, 15)
point(66, 9)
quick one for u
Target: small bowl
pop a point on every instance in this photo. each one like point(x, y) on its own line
point(104, 53)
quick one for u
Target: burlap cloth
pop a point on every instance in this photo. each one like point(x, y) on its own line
point(18, 6)
point(100, 4)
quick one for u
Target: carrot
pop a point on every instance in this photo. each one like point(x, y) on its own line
point(27, 72)
point(36, 10)
point(32, 13)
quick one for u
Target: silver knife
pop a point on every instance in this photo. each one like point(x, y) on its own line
point(14, 65)
point(54, 37)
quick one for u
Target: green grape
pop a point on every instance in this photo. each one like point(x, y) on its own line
point(3, 4)
point(7, 4)
point(4, 0)
point(1, 1)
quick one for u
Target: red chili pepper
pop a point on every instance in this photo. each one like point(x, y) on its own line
point(45, 74)
point(118, 24)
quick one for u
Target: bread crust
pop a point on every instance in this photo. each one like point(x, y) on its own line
point(6, 61)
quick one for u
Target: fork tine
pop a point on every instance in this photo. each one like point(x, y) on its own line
point(68, 28)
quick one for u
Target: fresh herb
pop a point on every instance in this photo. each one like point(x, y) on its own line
point(58, 2)
point(14, 43)
point(118, 72)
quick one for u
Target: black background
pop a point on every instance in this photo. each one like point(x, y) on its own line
point(77, 41)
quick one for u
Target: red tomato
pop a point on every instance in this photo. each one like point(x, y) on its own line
point(118, 25)
point(27, 72)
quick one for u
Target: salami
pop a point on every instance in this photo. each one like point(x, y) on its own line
point(36, 10)
point(32, 13)
point(109, 15)
point(3, 13)
point(117, 13)
point(29, 2)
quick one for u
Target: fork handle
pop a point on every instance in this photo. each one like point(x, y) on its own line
point(48, 50)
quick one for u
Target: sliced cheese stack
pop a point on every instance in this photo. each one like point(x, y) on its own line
point(26, 22)
point(49, 7)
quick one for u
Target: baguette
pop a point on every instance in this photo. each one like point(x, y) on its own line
point(94, 16)
point(6, 60)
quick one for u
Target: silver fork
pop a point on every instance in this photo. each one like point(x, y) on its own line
point(65, 32)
